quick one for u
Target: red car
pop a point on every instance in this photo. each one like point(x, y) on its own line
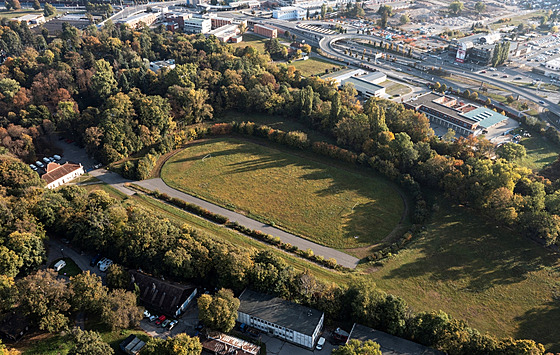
point(160, 320)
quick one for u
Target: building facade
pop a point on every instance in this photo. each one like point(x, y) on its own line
point(289, 13)
point(58, 175)
point(146, 18)
point(265, 31)
point(197, 25)
point(286, 320)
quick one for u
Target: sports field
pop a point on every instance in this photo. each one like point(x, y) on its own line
point(335, 207)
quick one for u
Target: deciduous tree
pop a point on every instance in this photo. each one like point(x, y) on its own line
point(218, 312)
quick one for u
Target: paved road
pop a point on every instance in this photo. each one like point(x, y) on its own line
point(304, 244)
point(113, 179)
point(58, 250)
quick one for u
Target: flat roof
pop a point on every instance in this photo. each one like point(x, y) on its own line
point(390, 344)
point(485, 117)
point(361, 82)
point(428, 100)
point(278, 311)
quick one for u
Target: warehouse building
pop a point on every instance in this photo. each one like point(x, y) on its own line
point(464, 118)
point(286, 320)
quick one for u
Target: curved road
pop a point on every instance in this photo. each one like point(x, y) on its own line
point(326, 46)
point(303, 244)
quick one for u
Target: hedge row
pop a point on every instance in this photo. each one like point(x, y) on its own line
point(272, 240)
point(267, 238)
point(197, 210)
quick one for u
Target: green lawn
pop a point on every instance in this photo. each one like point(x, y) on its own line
point(496, 280)
point(334, 207)
point(313, 66)
point(71, 269)
point(253, 40)
point(276, 122)
point(540, 152)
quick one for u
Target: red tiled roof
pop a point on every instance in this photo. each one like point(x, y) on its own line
point(56, 171)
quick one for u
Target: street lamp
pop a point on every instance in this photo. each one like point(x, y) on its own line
point(62, 252)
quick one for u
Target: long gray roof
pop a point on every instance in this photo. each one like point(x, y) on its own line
point(280, 312)
point(390, 344)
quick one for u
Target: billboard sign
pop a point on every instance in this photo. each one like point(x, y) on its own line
point(461, 53)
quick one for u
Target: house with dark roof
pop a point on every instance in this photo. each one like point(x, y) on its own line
point(132, 345)
point(57, 174)
point(286, 320)
point(169, 298)
point(390, 344)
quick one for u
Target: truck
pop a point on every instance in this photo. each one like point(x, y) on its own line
point(339, 336)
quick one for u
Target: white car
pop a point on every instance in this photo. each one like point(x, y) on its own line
point(39, 164)
point(105, 265)
point(147, 314)
point(320, 343)
point(46, 160)
point(172, 324)
point(32, 166)
point(56, 157)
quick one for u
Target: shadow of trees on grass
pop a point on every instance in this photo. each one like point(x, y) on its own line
point(462, 248)
point(373, 214)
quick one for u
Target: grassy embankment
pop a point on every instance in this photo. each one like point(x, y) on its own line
point(339, 208)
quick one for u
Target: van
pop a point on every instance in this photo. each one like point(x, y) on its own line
point(320, 344)
point(59, 265)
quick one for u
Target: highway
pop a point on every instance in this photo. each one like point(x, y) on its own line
point(327, 42)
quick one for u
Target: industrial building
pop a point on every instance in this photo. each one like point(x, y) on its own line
point(265, 31)
point(286, 320)
point(289, 13)
point(464, 118)
point(390, 344)
point(145, 18)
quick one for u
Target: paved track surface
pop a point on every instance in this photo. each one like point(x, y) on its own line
point(303, 244)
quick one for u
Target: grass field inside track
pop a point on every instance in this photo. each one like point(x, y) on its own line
point(339, 208)
point(496, 280)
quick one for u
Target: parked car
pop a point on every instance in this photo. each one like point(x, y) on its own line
point(172, 324)
point(95, 260)
point(46, 160)
point(147, 314)
point(39, 164)
point(541, 102)
point(104, 266)
point(320, 344)
point(101, 261)
point(153, 317)
point(56, 157)
point(160, 320)
point(165, 323)
point(33, 167)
